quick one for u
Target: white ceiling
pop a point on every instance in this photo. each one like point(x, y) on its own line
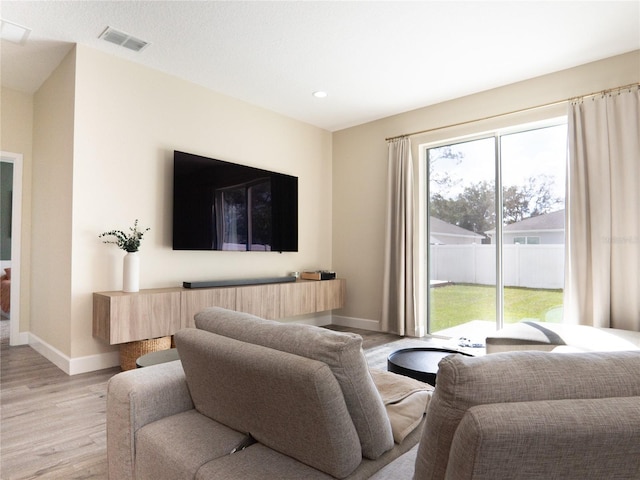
point(374, 58)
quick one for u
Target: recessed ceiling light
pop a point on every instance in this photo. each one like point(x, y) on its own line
point(123, 39)
point(13, 32)
point(320, 94)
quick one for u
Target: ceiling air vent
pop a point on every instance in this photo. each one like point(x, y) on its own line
point(123, 39)
point(13, 32)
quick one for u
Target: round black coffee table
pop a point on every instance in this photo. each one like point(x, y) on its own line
point(420, 363)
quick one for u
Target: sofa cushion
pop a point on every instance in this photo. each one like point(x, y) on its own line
point(138, 397)
point(403, 467)
point(517, 377)
point(258, 462)
point(405, 400)
point(561, 337)
point(177, 446)
point(567, 439)
point(341, 351)
point(286, 402)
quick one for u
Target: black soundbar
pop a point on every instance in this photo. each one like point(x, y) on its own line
point(238, 281)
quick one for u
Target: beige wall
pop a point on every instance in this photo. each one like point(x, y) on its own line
point(104, 130)
point(360, 163)
point(128, 121)
point(16, 127)
point(52, 220)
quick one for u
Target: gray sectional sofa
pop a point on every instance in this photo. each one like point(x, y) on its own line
point(530, 416)
point(301, 399)
point(304, 403)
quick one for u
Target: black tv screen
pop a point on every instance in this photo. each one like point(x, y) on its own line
point(219, 205)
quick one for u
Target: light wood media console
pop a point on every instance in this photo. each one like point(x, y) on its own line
point(120, 317)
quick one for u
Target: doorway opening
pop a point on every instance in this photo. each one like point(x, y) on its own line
point(12, 228)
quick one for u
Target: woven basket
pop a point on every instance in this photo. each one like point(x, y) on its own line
point(130, 352)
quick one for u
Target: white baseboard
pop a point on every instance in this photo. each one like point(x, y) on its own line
point(328, 319)
point(100, 361)
point(73, 366)
point(91, 363)
point(362, 323)
point(317, 320)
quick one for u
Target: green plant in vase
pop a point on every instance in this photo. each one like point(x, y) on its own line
point(130, 243)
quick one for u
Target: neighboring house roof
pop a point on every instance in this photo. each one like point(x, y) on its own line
point(440, 227)
point(553, 221)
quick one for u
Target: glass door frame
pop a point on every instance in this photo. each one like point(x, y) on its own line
point(424, 233)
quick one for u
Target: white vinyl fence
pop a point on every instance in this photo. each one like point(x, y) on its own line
point(531, 266)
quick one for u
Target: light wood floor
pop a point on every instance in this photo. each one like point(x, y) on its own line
point(53, 425)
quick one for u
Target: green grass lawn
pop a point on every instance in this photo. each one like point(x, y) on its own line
point(453, 305)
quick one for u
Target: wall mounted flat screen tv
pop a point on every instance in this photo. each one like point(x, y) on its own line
point(219, 205)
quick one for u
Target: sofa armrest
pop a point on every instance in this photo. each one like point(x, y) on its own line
point(136, 398)
point(568, 439)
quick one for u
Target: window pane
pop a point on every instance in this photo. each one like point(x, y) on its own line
point(260, 224)
point(234, 218)
point(533, 186)
point(462, 261)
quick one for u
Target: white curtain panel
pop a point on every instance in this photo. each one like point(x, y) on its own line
point(603, 225)
point(399, 295)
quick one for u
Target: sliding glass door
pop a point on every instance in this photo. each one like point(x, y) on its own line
point(533, 194)
point(496, 228)
point(462, 272)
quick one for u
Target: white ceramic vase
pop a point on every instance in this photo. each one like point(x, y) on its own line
point(131, 272)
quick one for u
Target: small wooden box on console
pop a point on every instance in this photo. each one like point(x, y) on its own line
point(120, 317)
